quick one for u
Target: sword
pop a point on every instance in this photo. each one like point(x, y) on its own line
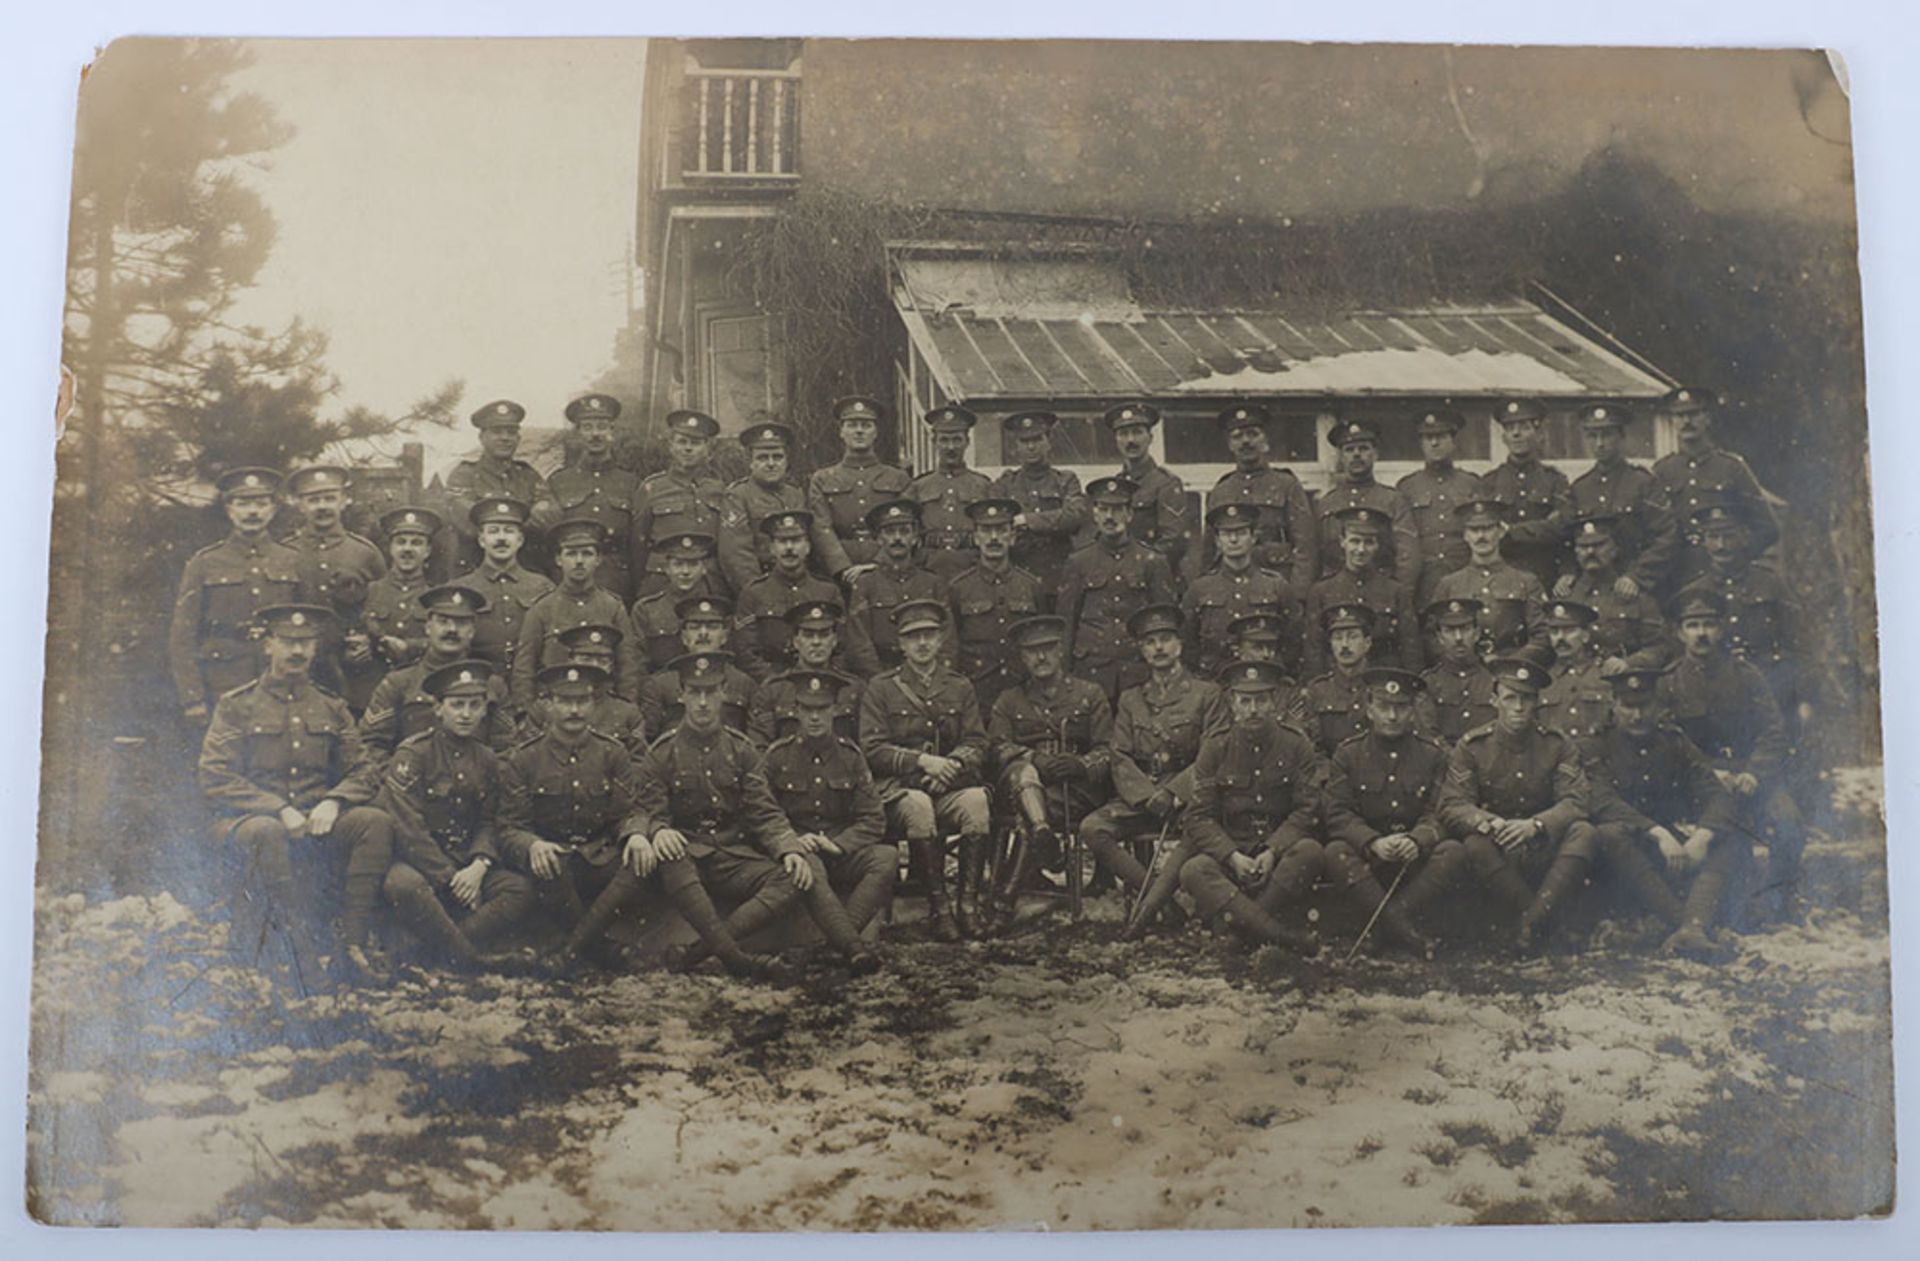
point(1361, 940)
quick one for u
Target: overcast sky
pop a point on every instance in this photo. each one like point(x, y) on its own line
point(452, 209)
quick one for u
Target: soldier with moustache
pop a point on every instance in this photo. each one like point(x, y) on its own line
point(815, 630)
point(1053, 513)
point(1263, 637)
point(683, 498)
point(687, 561)
point(705, 624)
point(1578, 703)
point(401, 707)
point(1512, 601)
point(947, 491)
point(744, 546)
point(895, 578)
point(496, 474)
point(1762, 619)
point(1283, 515)
point(336, 568)
point(396, 623)
point(211, 647)
point(511, 588)
point(1358, 443)
point(988, 598)
point(1105, 583)
point(1632, 499)
point(1624, 624)
point(597, 646)
point(578, 546)
point(1702, 472)
point(1538, 497)
point(1433, 493)
point(1161, 518)
point(1235, 586)
point(762, 629)
point(1458, 696)
point(1360, 580)
point(841, 496)
point(595, 488)
point(1332, 707)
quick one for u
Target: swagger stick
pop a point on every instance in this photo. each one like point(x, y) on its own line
point(1154, 865)
point(1361, 940)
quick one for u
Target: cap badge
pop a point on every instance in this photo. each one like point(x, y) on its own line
point(466, 676)
point(1393, 687)
point(253, 479)
point(298, 619)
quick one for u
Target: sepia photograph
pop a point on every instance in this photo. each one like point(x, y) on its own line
point(814, 634)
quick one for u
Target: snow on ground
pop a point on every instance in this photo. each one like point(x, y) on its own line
point(1057, 1077)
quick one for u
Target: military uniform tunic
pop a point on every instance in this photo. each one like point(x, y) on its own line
point(609, 494)
point(582, 797)
point(656, 626)
point(1515, 602)
point(1255, 784)
point(211, 647)
point(839, 497)
point(1378, 787)
point(671, 503)
point(452, 801)
point(1157, 730)
point(1161, 517)
point(273, 744)
point(1650, 542)
point(873, 641)
point(1285, 532)
point(744, 550)
point(1069, 715)
point(826, 788)
point(612, 716)
point(1578, 703)
point(711, 787)
point(1660, 779)
point(511, 593)
point(1056, 512)
point(775, 714)
point(1625, 626)
point(1691, 482)
point(393, 610)
point(1102, 587)
point(986, 603)
point(946, 529)
point(1432, 493)
point(1760, 626)
point(1331, 708)
point(1457, 699)
point(400, 709)
point(1536, 774)
point(661, 710)
point(485, 478)
point(1726, 708)
point(1396, 629)
point(903, 715)
point(1540, 502)
point(559, 610)
point(761, 632)
point(1399, 551)
point(1216, 598)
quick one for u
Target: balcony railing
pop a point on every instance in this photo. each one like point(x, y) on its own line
point(741, 126)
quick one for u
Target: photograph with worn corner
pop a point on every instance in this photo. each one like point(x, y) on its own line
point(855, 635)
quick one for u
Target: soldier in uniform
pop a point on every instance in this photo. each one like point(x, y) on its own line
point(453, 805)
point(1625, 625)
point(586, 844)
point(687, 560)
point(1433, 492)
point(823, 784)
point(1360, 580)
point(1458, 696)
point(1701, 472)
point(510, 587)
point(1538, 497)
point(896, 578)
point(289, 780)
point(1157, 730)
point(594, 487)
point(1511, 599)
point(841, 495)
point(1578, 703)
point(610, 715)
point(920, 729)
point(496, 474)
point(396, 623)
point(764, 492)
point(1725, 707)
point(1233, 587)
point(1161, 518)
point(1104, 584)
point(1651, 789)
point(683, 498)
point(761, 625)
point(1383, 799)
point(1283, 513)
point(1332, 707)
point(1262, 637)
point(1761, 616)
point(1516, 799)
point(1053, 513)
point(1398, 553)
point(705, 621)
point(401, 706)
point(776, 703)
point(989, 598)
point(336, 568)
point(1615, 487)
point(211, 648)
point(704, 795)
point(947, 491)
point(579, 543)
point(1053, 741)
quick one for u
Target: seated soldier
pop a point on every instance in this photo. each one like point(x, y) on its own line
point(1363, 580)
point(1651, 787)
point(451, 800)
point(815, 628)
point(1459, 688)
point(1511, 598)
point(1052, 740)
point(704, 795)
point(1332, 708)
point(763, 628)
point(1266, 637)
point(1578, 703)
point(920, 729)
point(687, 561)
point(1516, 799)
point(1250, 848)
point(1156, 735)
point(401, 708)
point(288, 779)
point(611, 715)
point(1383, 794)
point(824, 785)
point(705, 622)
point(579, 543)
point(585, 845)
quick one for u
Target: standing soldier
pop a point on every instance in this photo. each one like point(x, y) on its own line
point(1053, 740)
point(1284, 514)
point(1459, 689)
point(1383, 799)
point(1511, 599)
point(682, 498)
point(762, 627)
point(1578, 703)
point(596, 488)
point(764, 492)
point(1157, 731)
point(947, 491)
point(453, 804)
point(881, 589)
point(285, 772)
point(815, 627)
point(1618, 488)
point(1358, 443)
point(920, 729)
point(1161, 518)
point(1433, 492)
point(1332, 707)
point(989, 598)
point(1538, 497)
point(336, 568)
point(496, 474)
point(687, 560)
point(402, 708)
point(841, 495)
point(1235, 586)
point(396, 622)
point(826, 790)
point(1104, 584)
point(1625, 624)
point(1701, 472)
point(223, 588)
point(1761, 617)
point(579, 544)
point(510, 587)
point(1053, 512)
point(1360, 580)
point(704, 624)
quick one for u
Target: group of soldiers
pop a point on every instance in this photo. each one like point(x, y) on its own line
point(749, 700)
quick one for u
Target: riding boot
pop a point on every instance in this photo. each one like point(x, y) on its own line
point(964, 921)
point(1006, 896)
point(1566, 873)
point(928, 854)
point(977, 887)
point(1159, 895)
point(368, 858)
